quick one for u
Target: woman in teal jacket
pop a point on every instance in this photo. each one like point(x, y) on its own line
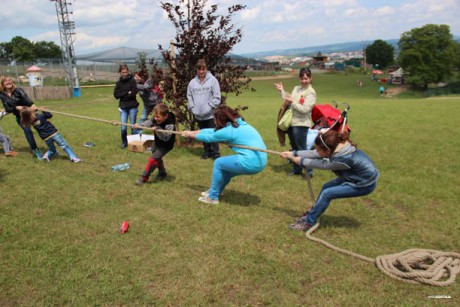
point(231, 128)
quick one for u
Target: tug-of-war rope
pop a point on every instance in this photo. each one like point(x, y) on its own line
point(416, 266)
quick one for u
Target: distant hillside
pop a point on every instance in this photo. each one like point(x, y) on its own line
point(342, 47)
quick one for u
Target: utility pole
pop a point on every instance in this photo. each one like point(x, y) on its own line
point(67, 32)
point(364, 59)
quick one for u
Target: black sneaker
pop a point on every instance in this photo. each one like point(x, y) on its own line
point(216, 156)
point(162, 175)
point(206, 156)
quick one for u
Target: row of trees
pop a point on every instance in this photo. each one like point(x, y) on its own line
point(21, 49)
point(428, 54)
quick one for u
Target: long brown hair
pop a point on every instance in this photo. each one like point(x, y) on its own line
point(223, 115)
point(27, 117)
point(329, 141)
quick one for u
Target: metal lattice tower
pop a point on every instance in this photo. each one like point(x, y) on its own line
point(67, 32)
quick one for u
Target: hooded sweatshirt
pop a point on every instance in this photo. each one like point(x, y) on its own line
point(203, 97)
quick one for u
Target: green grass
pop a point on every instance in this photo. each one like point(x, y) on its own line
point(59, 222)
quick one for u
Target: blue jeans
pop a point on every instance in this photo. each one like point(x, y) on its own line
point(145, 114)
point(124, 113)
point(298, 139)
point(225, 168)
point(336, 188)
point(29, 135)
point(59, 140)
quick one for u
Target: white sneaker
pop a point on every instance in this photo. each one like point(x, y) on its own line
point(46, 158)
point(76, 160)
point(207, 200)
point(206, 193)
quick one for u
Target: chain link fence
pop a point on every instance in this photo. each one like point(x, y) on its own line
point(53, 76)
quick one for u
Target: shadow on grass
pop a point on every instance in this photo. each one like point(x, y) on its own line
point(230, 197)
point(25, 149)
point(237, 198)
point(154, 179)
point(284, 168)
point(339, 221)
point(4, 173)
point(326, 220)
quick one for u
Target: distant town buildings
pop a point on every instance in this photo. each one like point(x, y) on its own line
point(335, 60)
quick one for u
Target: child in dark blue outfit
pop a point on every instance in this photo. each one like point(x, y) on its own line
point(47, 132)
point(162, 119)
point(356, 173)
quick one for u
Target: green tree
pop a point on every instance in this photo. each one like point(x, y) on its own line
point(457, 55)
point(23, 49)
point(46, 50)
point(200, 34)
point(427, 54)
point(6, 51)
point(380, 53)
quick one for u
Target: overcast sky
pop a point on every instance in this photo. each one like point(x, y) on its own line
point(267, 24)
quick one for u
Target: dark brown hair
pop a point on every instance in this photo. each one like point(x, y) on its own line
point(305, 71)
point(161, 109)
point(123, 66)
point(201, 64)
point(223, 115)
point(329, 141)
point(143, 73)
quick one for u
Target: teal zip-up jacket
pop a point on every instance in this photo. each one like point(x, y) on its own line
point(244, 135)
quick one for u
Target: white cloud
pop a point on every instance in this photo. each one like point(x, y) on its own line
point(251, 13)
point(88, 42)
point(267, 25)
point(384, 11)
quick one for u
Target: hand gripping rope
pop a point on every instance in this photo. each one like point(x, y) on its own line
point(416, 266)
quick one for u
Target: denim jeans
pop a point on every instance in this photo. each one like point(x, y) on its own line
point(145, 114)
point(336, 188)
point(225, 168)
point(6, 142)
point(298, 139)
point(59, 140)
point(209, 148)
point(29, 135)
point(124, 114)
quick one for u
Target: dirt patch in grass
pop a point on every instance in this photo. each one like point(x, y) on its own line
point(395, 91)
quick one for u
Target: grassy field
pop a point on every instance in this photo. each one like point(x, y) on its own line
point(59, 222)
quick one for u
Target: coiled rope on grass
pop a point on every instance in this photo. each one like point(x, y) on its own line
point(416, 266)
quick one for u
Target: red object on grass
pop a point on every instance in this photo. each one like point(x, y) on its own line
point(124, 227)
